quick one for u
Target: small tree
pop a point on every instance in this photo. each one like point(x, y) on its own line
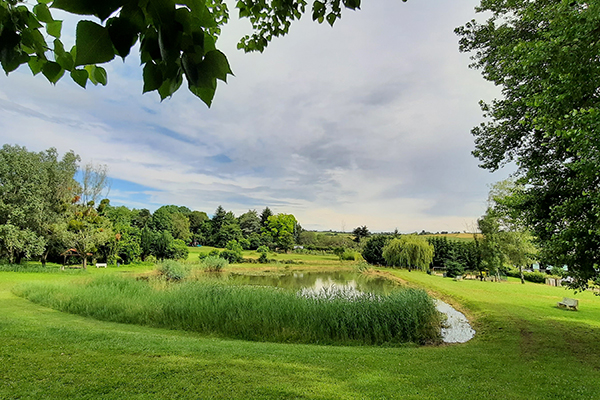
point(360, 233)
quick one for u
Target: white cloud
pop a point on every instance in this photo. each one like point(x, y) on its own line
point(366, 123)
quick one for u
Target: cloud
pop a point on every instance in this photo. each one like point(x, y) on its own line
point(366, 123)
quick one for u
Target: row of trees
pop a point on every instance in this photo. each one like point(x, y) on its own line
point(46, 213)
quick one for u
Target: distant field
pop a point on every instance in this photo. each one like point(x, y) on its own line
point(525, 348)
point(456, 236)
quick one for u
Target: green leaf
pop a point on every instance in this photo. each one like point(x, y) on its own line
point(100, 8)
point(42, 13)
point(169, 87)
point(66, 61)
point(101, 76)
point(32, 21)
point(80, 76)
point(33, 39)
point(205, 94)
point(53, 28)
point(36, 64)
point(12, 59)
point(209, 43)
point(331, 17)
point(153, 78)
point(215, 65)
point(59, 48)
point(123, 34)
point(91, 69)
point(93, 44)
point(53, 71)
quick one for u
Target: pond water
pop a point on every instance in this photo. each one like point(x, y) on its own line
point(456, 329)
point(307, 282)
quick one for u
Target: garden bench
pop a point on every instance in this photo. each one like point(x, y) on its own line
point(569, 304)
point(100, 265)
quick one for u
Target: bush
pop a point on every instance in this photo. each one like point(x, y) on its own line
point(535, 277)
point(351, 255)
point(214, 264)
point(454, 268)
point(231, 256)
point(263, 251)
point(179, 250)
point(172, 270)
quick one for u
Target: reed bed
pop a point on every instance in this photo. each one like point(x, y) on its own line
point(248, 312)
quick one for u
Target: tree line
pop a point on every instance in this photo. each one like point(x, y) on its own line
point(46, 214)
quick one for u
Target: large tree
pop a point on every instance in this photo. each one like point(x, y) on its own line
point(177, 37)
point(544, 55)
point(35, 189)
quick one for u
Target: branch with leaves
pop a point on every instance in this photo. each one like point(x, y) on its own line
point(177, 38)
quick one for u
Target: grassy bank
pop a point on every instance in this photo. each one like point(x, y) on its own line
point(247, 312)
point(525, 348)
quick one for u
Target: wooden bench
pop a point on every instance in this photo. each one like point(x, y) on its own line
point(101, 265)
point(569, 304)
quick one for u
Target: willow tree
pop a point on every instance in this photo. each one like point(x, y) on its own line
point(408, 251)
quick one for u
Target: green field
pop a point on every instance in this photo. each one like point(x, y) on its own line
point(525, 348)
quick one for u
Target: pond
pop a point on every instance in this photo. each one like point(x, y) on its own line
point(308, 281)
point(456, 328)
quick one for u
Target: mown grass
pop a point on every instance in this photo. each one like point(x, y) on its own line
point(247, 312)
point(525, 348)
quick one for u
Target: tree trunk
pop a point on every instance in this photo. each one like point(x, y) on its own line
point(84, 262)
point(522, 277)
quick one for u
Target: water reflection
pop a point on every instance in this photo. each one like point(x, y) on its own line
point(347, 281)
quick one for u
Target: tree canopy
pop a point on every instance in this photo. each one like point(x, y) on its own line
point(408, 251)
point(178, 38)
point(544, 56)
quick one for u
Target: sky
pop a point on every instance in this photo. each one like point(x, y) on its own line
point(366, 123)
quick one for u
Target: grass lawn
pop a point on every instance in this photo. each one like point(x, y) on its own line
point(525, 348)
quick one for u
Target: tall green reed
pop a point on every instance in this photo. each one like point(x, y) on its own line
point(248, 312)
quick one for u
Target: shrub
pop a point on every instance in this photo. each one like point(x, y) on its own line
point(263, 251)
point(535, 277)
point(172, 270)
point(214, 264)
point(179, 250)
point(231, 256)
point(454, 268)
point(351, 255)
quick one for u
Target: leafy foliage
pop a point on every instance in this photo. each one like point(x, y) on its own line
point(544, 56)
point(372, 251)
point(360, 233)
point(177, 38)
point(408, 251)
